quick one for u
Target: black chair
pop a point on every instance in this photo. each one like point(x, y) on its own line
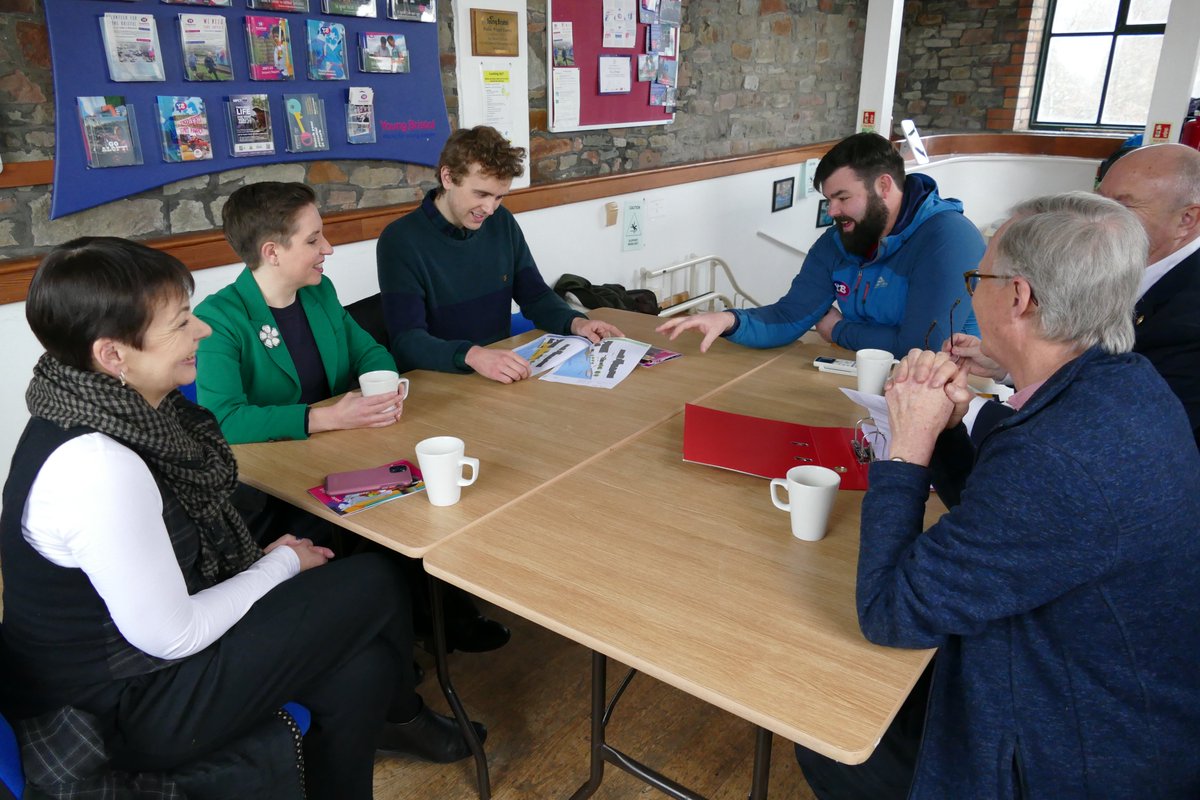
point(368, 313)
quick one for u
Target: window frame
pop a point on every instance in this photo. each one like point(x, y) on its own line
point(1121, 27)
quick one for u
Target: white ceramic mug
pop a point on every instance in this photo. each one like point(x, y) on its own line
point(811, 491)
point(441, 460)
point(383, 381)
point(873, 367)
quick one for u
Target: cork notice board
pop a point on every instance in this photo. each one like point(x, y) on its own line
point(599, 110)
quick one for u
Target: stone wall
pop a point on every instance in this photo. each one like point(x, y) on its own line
point(755, 76)
point(960, 66)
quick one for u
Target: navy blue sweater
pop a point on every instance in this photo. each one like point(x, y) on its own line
point(446, 289)
point(1063, 592)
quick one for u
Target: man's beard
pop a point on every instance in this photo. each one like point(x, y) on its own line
point(864, 237)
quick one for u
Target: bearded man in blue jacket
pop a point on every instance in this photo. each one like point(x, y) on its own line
point(893, 261)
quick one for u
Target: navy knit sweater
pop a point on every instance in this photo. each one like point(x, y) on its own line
point(1063, 592)
point(446, 289)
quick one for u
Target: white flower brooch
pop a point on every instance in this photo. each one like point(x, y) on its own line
point(269, 336)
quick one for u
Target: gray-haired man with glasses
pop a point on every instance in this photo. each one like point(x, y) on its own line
point(1060, 589)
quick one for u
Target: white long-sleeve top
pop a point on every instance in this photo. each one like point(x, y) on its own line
point(95, 506)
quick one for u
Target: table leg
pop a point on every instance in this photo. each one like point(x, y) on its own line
point(762, 764)
point(601, 751)
point(443, 673)
point(596, 748)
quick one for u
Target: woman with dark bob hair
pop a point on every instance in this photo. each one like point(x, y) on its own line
point(136, 605)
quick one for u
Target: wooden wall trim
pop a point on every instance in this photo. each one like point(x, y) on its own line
point(208, 249)
point(18, 174)
point(1039, 144)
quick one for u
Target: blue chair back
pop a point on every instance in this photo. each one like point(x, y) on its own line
point(11, 774)
point(520, 324)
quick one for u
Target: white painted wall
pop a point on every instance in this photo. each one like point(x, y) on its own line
point(722, 216)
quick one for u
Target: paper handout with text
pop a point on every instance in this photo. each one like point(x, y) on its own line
point(575, 360)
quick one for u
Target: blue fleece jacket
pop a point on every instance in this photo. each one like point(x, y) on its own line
point(1062, 592)
point(890, 300)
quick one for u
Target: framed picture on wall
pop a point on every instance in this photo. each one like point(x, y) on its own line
point(823, 218)
point(781, 194)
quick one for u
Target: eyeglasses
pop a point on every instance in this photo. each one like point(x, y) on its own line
point(933, 325)
point(973, 277)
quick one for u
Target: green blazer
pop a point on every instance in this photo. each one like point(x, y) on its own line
point(253, 389)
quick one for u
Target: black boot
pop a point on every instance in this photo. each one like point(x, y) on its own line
point(476, 634)
point(428, 736)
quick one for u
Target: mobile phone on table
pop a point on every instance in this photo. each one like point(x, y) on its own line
point(366, 480)
point(841, 366)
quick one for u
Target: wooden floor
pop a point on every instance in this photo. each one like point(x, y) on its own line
point(533, 696)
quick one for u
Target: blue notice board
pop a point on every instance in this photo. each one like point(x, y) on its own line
point(410, 110)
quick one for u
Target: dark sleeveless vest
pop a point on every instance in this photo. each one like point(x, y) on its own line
point(58, 636)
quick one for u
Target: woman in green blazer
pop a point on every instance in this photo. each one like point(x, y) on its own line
point(281, 339)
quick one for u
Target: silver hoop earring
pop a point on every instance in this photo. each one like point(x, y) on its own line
point(121, 376)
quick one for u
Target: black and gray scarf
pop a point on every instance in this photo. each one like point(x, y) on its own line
point(179, 441)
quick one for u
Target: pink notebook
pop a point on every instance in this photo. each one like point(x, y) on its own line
point(767, 448)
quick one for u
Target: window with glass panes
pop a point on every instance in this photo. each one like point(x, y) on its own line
point(1098, 62)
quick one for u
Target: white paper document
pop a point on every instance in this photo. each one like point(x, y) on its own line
point(547, 352)
point(615, 74)
point(497, 100)
point(566, 97)
point(575, 360)
point(620, 23)
point(877, 410)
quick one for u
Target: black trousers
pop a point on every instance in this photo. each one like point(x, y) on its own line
point(888, 773)
point(337, 638)
point(269, 518)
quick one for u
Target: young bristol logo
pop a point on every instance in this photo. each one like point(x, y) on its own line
point(842, 289)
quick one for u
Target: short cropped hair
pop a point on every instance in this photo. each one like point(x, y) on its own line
point(1084, 256)
point(868, 154)
point(100, 287)
point(263, 212)
point(482, 145)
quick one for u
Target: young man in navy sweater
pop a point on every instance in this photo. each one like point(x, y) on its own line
point(450, 270)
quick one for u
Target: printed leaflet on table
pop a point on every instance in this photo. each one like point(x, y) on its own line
point(345, 505)
point(575, 360)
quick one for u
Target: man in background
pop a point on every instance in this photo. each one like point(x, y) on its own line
point(1161, 186)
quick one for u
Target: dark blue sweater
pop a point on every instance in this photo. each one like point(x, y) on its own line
point(446, 289)
point(1063, 592)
